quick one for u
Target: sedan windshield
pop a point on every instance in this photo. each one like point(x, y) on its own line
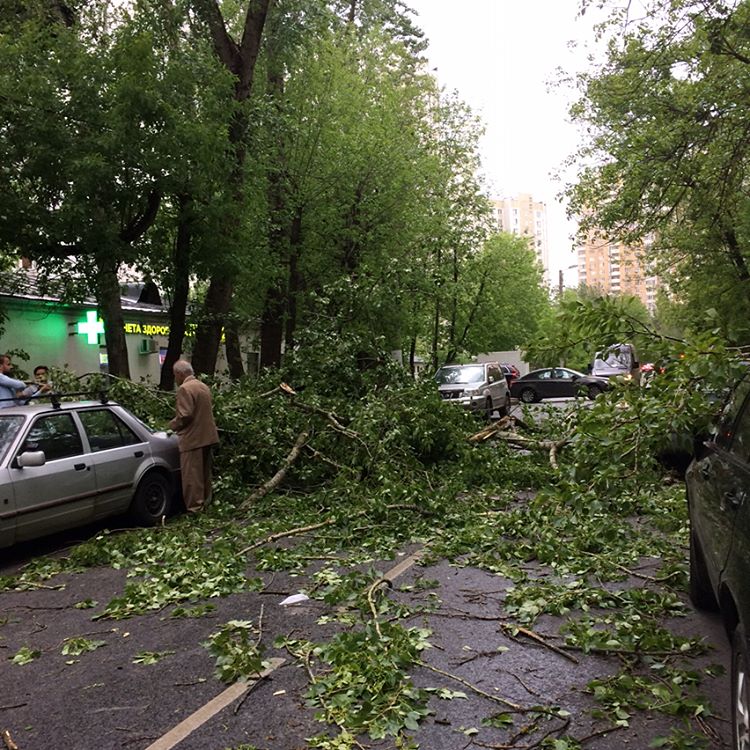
point(9, 427)
point(464, 374)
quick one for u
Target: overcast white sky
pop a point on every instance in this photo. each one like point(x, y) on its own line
point(501, 56)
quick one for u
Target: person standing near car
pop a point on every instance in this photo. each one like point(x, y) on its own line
point(40, 385)
point(9, 387)
point(197, 434)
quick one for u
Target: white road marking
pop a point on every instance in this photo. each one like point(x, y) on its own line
point(210, 709)
point(198, 718)
point(403, 566)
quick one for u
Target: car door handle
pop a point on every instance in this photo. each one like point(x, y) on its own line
point(138, 454)
point(735, 497)
point(79, 467)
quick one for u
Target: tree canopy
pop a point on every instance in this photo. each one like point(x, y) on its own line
point(666, 155)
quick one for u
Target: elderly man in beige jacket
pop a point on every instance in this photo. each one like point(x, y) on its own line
point(197, 434)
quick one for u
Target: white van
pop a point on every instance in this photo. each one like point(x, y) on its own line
point(618, 360)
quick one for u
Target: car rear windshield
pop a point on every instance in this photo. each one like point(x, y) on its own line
point(9, 427)
point(465, 374)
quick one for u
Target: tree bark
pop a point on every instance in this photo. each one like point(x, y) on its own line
point(296, 282)
point(735, 254)
point(272, 327)
point(240, 60)
point(110, 307)
point(234, 351)
point(178, 309)
point(208, 331)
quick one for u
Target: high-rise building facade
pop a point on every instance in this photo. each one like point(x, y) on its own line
point(617, 268)
point(525, 217)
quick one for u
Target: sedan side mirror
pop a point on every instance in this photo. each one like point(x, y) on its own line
point(31, 458)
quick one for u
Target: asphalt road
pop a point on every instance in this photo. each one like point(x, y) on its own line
point(102, 700)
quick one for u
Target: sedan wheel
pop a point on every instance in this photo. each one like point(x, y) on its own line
point(152, 499)
point(594, 391)
point(527, 395)
point(701, 593)
point(740, 688)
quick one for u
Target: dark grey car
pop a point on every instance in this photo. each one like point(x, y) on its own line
point(556, 382)
point(718, 491)
point(72, 463)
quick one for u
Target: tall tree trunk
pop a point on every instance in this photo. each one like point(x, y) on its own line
point(454, 305)
point(110, 307)
point(735, 254)
point(208, 332)
point(239, 59)
point(295, 278)
point(178, 310)
point(438, 311)
point(233, 350)
point(272, 328)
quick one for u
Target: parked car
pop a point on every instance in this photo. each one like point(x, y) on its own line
point(67, 464)
point(718, 485)
point(556, 382)
point(511, 372)
point(618, 360)
point(480, 387)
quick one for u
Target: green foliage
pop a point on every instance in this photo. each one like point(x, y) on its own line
point(401, 471)
point(666, 154)
point(584, 323)
point(368, 688)
point(150, 657)
point(25, 655)
point(237, 650)
point(75, 646)
point(501, 297)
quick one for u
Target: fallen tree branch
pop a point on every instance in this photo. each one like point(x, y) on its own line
point(633, 573)
point(332, 418)
point(289, 532)
point(487, 432)
point(371, 601)
point(278, 477)
point(328, 522)
point(474, 688)
point(325, 459)
point(507, 628)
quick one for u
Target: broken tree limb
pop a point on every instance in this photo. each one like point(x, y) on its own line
point(328, 522)
point(521, 441)
point(333, 419)
point(496, 698)
point(371, 601)
point(278, 477)
point(487, 432)
point(511, 630)
point(326, 460)
point(288, 532)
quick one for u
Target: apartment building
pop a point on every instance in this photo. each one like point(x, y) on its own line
point(615, 268)
point(525, 217)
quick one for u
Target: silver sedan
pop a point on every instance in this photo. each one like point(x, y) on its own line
point(68, 464)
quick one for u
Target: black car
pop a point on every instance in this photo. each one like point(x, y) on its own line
point(556, 382)
point(718, 485)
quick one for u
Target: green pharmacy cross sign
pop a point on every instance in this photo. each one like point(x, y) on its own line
point(92, 327)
